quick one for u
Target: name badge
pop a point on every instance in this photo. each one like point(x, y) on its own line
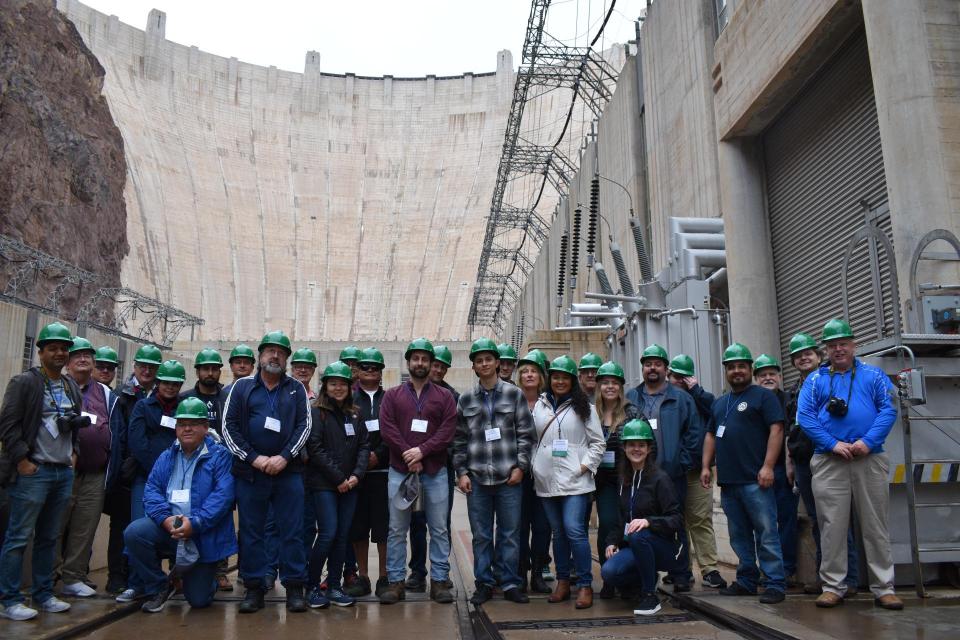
point(169, 422)
point(373, 425)
point(653, 423)
point(180, 496)
point(92, 416)
point(272, 424)
point(560, 447)
point(720, 430)
point(492, 434)
point(609, 459)
point(625, 527)
point(51, 427)
point(348, 427)
point(420, 426)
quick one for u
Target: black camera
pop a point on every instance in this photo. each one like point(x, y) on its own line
point(70, 421)
point(837, 407)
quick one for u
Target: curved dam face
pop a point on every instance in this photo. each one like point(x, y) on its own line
point(334, 207)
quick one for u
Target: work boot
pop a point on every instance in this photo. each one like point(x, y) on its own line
point(359, 588)
point(252, 600)
point(561, 593)
point(393, 594)
point(889, 601)
point(440, 592)
point(537, 582)
point(296, 603)
point(828, 600)
point(584, 598)
point(417, 582)
point(382, 585)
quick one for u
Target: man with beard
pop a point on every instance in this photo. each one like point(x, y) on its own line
point(266, 425)
point(508, 361)
point(677, 430)
point(587, 374)
point(105, 363)
point(417, 420)
point(241, 362)
point(746, 434)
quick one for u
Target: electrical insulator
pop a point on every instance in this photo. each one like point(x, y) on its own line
point(592, 225)
point(575, 248)
point(561, 273)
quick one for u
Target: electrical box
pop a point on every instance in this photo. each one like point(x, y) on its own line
point(941, 314)
point(913, 386)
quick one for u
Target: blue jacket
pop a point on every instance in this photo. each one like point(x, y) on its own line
point(681, 430)
point(211, 499)
point(870, 415)
point(292, 408)
point(146, 437)
point(121, 405)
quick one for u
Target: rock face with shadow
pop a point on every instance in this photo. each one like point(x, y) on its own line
point(62, 165)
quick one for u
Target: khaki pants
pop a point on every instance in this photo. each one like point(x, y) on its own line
point(698, 517)
point(864, 480)
point(79, 526)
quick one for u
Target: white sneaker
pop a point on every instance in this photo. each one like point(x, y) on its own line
point(53, 604)
point(77, 590)
point(128, 595)
point(18, 611)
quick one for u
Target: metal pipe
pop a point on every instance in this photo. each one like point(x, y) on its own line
point(673, 312)
point(596, 314)
point(597, 327)
point(900, 348)
point(618, 298)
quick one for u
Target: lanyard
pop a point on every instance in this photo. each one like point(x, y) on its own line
point(272, 398)
point(730, 405)
point(492, 396)
point(853, 376)
point(634, 485)
point(560, 421)
point(421, 401)
point(56, 399)
point(655, 399)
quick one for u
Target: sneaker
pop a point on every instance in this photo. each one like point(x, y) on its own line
point(648, 605)
point(516, 595)
point(772, 596)
point(714, 580)
point(482, 594)
point(128, 595)
point(547, 574)
point(317, 599)
point(339, 598)
point(157, 601)
point(416, 582)
point(77, 590)
point(667, 579)
point(359, 588)
point(382, 584)
point(53, 604)
point(736, 589)
point(18, 611)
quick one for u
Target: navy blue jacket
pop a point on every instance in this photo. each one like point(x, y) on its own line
point(211, 499)
point(681, 430)
point(146, 437)
point(125, 398)
point(246, 439)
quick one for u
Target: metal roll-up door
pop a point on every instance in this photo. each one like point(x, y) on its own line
point(824, 180)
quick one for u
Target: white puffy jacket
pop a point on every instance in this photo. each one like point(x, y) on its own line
point(556, 476)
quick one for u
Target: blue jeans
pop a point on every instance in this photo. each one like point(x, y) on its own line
point(255, 497)
point(752, 515)
point(147, 543)
point(436, 495)
point(37, 505)
point(566, 516)
point(333, 515)
point(483, 504)
point(418, 532)
point(787, 503)
point(637, 565)
point(136, 499)
point(805, 484)
point(534, 529)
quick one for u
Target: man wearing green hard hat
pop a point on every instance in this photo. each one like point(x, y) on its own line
point(303, 365)
point(587, 374)
point(242, 362)
point(105, 363)
point(442, 361)
point(351, 356)
point(508, 361)
point(846, 409)
point(39, 429)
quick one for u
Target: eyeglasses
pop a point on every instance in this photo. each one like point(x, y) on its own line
point(105, 367)
point(369, 367)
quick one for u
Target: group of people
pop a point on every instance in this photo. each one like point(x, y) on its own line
point(317, 475)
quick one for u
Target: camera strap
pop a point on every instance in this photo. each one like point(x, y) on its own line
point(853, 376)
point(56, 399)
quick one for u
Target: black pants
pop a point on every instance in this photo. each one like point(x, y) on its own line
point(117, 506)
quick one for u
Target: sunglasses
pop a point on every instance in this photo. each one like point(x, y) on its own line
point(369, 367)
point(106, 367)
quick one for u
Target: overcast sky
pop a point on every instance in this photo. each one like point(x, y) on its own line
point(374, 37)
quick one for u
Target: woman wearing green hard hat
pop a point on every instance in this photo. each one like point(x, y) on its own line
point(646, 539)
point(570, 450)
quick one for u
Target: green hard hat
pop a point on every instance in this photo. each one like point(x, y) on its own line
point(836, 329)
point(486, 345)
point(636, 429)
point(337, 369)
point(609, 370)
point(54, 332)
point(507, 352)
point(655, 351)
point(106, 354)
point(535, 357)
point(149, 354)
point(801, 342)
point(192, 408)
point(443, 354)
point(735, 352)
point(207, 356)
point(171, 371)
point(304, 355)
point(420, 344)
point(370, 355)
point(81, 344)
point(765, 361)
point(241, 351)
point(350, 353)
point(682, 364)
point(590, 361)
point(564, 364)
point(278, 338)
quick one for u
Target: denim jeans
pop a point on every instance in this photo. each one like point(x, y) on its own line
point(436, 495)
point(534, 528)
point(37, 505)
point(271, 539)
point(805, 483)
point(147, 543)
point(136, 499)
point(483, 504)
point(418, 531)
point(566, 516)
point(333, 515)
point(637, 564)
point(255, 497)
point(752, 515)
point(787, 503)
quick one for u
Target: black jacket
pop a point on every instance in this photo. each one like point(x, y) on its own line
point(655, 500)
point(371, 411)
point(606, 476)
point(21, 417)
point(214, 405)
point(333, 456)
